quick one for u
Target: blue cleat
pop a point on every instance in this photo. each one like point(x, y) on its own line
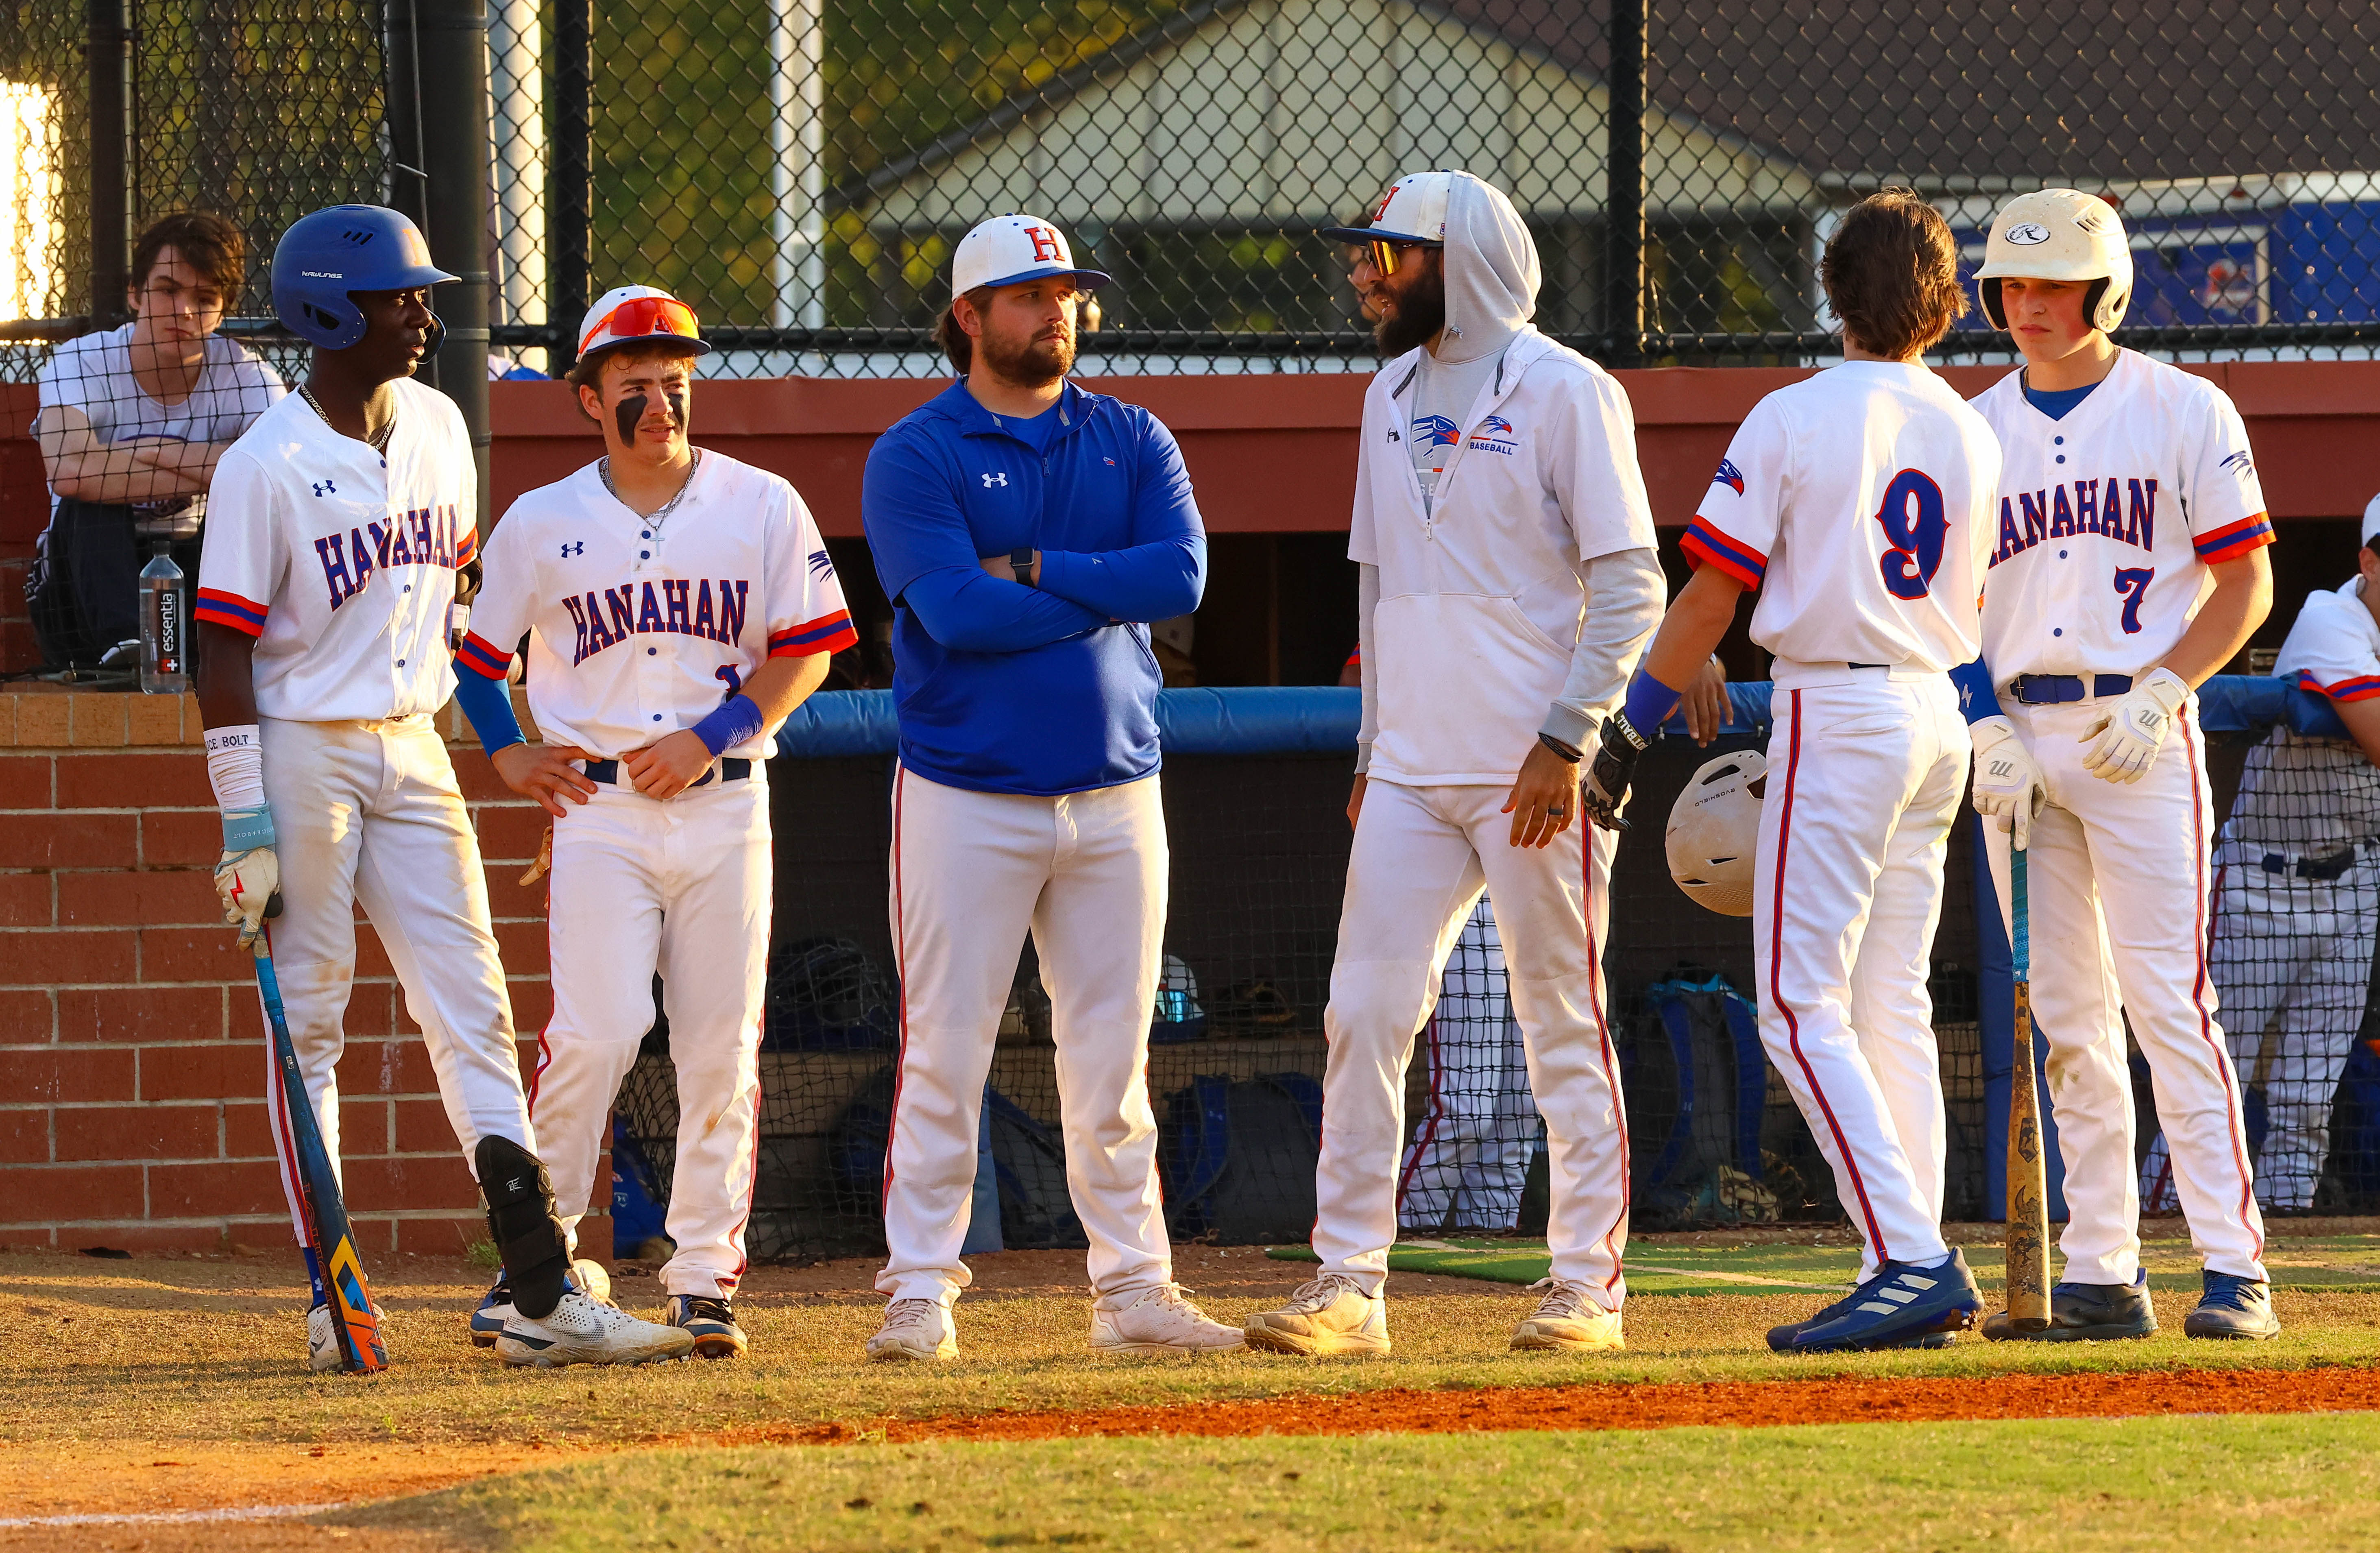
point(2237, 1309)
point(488, 1321)
point(2086, 1313)
point(1901, 1306)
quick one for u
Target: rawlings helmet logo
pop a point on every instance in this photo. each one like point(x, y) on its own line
point(2028, 233)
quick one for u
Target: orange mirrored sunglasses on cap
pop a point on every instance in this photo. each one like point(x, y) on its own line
point(641, 316)
point(1386, 255)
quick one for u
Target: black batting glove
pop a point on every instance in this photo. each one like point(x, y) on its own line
point(1605, 792)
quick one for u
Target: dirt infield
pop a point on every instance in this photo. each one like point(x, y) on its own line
point(2332, 1388)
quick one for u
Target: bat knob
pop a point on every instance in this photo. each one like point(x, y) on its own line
point(272, 906)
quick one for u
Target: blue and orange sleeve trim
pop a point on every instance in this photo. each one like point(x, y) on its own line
point(2360, 687)
point(1705, 546)
point(467, 549)
point(828, 632)
point(2235, 539)
point(219, 608)
point(484, 658)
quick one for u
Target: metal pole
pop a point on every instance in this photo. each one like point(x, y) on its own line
point(1623, 199)
point(797, 176)
point(570, 261)
point(516, 88)
point(438, 134)
point(109, 54)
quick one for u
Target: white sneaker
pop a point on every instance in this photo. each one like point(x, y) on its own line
point(1569, 1318)
point(322, 1338)
point(1161, 1321)
point(487, 1323)
point(580, 1330)
point(918, 1329)
point(1331, 1314)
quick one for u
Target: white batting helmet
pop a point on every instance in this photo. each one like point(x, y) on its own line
point(1713, 830)
point(2059, 235)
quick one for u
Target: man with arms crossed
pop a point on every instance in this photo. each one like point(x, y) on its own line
point(679, 605)
point(1025, 531)
point(2128, 566)
point(1858, 502)
point(1507, 584)
point(337, 527)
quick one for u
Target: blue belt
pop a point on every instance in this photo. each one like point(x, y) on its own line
point(729, 770)
point(2049, 690)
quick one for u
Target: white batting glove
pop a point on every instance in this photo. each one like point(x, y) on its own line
point(248, 879)
point(2130, 731)
point(2008, 780)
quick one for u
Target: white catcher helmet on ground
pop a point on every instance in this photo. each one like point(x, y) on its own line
point(1714, 830)
point(2059, 235)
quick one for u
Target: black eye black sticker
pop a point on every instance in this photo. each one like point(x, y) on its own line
point(631, 410)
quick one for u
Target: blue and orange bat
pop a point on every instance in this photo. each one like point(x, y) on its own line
point(361, 1352)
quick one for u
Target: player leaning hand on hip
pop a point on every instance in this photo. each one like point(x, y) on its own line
point(678, 605)
point(2127, 565)
point(1507, 584)
point(1025, 531)
point(1858, 504)
point(338, 528)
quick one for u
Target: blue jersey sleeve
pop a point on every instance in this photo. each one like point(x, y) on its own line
point(926, 558)
point(1163, 572)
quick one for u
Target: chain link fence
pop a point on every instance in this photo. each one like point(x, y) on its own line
point(801, 172)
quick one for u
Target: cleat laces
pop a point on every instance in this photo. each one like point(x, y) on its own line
point(1323, 1293)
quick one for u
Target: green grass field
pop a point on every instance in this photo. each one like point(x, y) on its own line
point(2120, 1485)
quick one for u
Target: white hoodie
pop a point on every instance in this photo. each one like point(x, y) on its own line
point(1475, 623)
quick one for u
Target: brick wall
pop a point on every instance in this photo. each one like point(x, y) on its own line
point(132, 1047)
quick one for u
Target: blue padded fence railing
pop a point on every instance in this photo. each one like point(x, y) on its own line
point(1255, 783)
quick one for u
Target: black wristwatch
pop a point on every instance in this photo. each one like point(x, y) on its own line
point(1021, 560)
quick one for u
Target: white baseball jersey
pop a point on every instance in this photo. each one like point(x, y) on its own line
point(2304, 796)
point(2109, 520)
point(639, 629)
point(340, 562)
point(1481, 595)
point(1857, 502)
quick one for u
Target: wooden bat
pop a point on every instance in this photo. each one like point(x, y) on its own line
point(325, 1212)
point(2028, 1177)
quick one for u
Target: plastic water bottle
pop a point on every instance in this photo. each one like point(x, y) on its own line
point(165, 627)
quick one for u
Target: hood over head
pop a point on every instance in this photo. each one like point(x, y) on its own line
point(1492, 272)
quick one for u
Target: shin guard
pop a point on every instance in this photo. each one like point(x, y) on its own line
point(522, 1222)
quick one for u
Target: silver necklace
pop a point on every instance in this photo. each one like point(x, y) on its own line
point(603, 468)
point(377, 444)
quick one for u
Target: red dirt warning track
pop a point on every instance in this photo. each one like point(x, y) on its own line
point(2329, 1389)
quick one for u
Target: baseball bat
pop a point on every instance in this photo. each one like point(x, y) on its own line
point(2028, 1179)
point(324, 1209)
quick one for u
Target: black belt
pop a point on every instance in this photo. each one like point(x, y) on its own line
point(2049, 690)
point(2332, 867)
point(729, 770)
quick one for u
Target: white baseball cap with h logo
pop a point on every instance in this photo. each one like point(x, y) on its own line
point(1012, 249)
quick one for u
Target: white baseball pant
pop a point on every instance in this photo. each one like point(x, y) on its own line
point(1867, 769)
point(681, 887)
point(1470, 1153)
point(1420, 857)
point(2292, 957)
point(971, 872)
point(368, 813)
point(2117, 876)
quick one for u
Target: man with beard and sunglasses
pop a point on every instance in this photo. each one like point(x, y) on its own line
point(1508, 585)
point(1027, 531)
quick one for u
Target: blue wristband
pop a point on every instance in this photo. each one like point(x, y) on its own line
point(487, 704)
point(246, 829)
point(1650, 703)
point(736, 720)
point(1977, 700)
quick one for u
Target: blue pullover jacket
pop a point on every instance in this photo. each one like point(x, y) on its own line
point(1005, 688)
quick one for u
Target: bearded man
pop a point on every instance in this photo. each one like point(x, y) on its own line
point(1027, 531)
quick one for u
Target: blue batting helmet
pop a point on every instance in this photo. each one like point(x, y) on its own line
point(325, 256)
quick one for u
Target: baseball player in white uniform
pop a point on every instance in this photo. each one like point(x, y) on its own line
point(339, 525)
point(2126, 566)
point(678, 606)
point(2297, 893)
point(1507, 585)
point(1858, 502)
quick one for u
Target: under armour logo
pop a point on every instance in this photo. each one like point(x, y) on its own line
point(323, 487)
point(1000, 478)
point(575, 546)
